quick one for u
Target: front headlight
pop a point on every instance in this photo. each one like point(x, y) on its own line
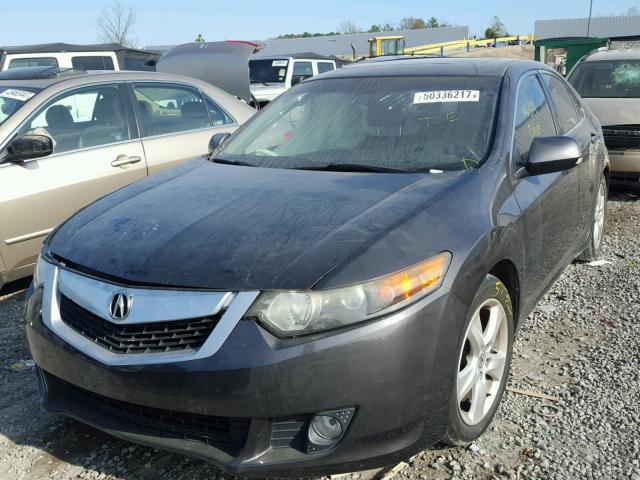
point(38, 273)
point(300, 312)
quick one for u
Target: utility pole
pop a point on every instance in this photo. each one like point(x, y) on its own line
point(589, 21)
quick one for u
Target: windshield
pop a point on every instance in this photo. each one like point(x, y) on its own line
point(405, 124)
point(268, 71)
point(12, 98)
point(607, 79)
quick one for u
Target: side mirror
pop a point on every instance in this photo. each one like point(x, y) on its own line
point(552, 154)
point(216, 141)
point(28, 147)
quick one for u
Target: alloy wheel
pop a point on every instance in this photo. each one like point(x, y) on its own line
point(482, 361)
point(598, 216)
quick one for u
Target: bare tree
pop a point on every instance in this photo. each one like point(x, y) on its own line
point(412, 23)
point(115, 24)
point(633, 11)
point(349, 27)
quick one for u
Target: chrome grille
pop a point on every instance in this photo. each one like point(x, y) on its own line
point(152, 337)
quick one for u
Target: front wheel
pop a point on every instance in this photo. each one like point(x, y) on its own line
point(594, 247)
point(483, 363)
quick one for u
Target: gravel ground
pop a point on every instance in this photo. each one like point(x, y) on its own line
point(582, 345)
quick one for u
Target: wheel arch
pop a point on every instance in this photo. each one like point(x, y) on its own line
point(506, 271)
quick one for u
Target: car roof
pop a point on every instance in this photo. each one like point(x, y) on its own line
point(297, 56)
point(70, 78)
point(407, 65)
point(67, 47)
point(630, 54)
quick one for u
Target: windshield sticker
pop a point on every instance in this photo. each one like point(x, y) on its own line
point(279, 63)
point(15, 94)
point(440, 96)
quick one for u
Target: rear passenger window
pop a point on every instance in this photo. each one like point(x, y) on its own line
point(533, 115)
point(568, 116)
point(33, 62)
point(92, 63)
point(167, 108)
point(83, 118)
point(324, 67)
point(302, 69)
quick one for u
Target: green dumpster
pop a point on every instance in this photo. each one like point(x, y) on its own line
point(564, 53)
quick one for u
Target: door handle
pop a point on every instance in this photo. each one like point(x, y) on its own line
point(125, 160)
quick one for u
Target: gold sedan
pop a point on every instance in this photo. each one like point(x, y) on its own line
point(68, 138)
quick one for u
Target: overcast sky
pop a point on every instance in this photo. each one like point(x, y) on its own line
point(172, 22)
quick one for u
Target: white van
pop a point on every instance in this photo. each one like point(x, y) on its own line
point(105, 56)
point(271, 76)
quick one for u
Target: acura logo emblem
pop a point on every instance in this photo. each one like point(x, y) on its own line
point(120, 306)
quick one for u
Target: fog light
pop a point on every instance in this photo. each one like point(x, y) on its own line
point(327, 429)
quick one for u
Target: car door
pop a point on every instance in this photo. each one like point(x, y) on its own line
point(176, 122)
point(96, 150)
point(573, 123)
point(549, 202)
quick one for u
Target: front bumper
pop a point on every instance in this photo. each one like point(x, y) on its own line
point(625, 167)
point(396, 371)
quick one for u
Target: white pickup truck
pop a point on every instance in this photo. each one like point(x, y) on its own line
point(104, 56)
point(273, 75)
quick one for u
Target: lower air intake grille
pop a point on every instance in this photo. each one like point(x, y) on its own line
point(228, 434)
point(157, 337)
point(622, 137)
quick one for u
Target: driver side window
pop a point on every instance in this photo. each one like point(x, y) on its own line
point(533, 115)
point(82, 118)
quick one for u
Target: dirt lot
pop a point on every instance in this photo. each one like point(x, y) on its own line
point(581, 345)
point(520, 52)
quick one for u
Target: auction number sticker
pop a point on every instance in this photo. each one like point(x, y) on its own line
point(439, 96)
point(279, 63)
point(15, 94)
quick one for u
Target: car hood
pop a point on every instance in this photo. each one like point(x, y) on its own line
point(615, 111)
point(206, 225)
point(270, 90)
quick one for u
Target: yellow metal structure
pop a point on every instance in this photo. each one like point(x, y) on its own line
point(386, 45)
point(442, 47)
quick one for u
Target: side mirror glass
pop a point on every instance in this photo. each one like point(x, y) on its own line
point(217, 140)
point(552, 154)
point(27, 147)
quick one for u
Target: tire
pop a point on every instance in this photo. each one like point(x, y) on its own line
point(467, 423)
point(598, 222)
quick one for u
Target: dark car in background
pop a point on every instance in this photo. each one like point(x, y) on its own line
point(339, 285)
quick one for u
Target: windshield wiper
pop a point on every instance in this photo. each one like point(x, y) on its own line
point(353, 167)
point(224, 161)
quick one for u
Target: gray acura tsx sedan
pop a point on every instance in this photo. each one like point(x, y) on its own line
point(338, 285)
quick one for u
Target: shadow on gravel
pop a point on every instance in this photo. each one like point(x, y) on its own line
point(13, 287)
point(622, 194)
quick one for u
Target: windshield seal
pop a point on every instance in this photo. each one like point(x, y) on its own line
point(367, 93)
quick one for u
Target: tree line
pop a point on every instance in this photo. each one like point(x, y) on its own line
point(115, 23)
point(347, 27)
